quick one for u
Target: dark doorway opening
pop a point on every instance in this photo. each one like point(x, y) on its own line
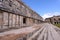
point(24, 20)
point(55, 22)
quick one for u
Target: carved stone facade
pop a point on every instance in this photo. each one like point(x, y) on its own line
point(14, 13)
point(53, 20)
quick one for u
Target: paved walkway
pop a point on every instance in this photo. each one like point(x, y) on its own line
point(47, 32)
point(17, 33)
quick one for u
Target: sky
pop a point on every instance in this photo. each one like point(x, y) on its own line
point(45, 8)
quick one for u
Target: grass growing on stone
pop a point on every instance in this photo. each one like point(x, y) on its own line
point(58, 25)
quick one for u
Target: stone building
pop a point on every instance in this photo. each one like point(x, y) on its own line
point(15, 14)
point(53, 20)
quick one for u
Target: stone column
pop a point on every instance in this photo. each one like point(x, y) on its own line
point(21, 21)
point(17, 21)
point(31, 21)
point(1, 21)
point(10, 20)
point(28, 22)
point(5, 20)
point(36, 21)
point(14, 21)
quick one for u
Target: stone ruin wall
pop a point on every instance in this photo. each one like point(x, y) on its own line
point(12, 13)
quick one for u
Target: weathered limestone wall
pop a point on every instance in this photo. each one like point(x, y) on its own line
point(14, 12)
point(18, 7)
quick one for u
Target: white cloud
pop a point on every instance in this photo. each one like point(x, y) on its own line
point(47, 15)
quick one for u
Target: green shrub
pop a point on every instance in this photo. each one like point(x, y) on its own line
point(58, 25)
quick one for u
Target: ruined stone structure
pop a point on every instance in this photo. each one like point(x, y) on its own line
point(53, 20)
point(15, 14)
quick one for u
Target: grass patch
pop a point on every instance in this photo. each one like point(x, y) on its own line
point(58, 25)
